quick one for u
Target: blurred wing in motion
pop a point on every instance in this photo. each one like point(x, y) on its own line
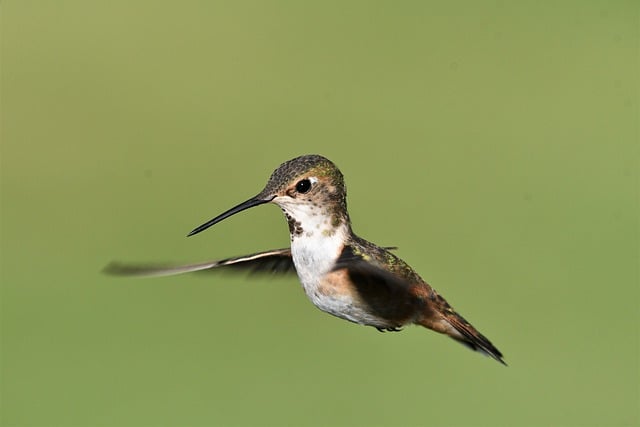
point(277, 261)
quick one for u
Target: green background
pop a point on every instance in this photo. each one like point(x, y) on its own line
point(496, 143)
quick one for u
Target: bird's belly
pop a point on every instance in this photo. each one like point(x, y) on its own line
point(335, 294)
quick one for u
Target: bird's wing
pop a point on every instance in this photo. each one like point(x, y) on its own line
point(387, 294)
point(277, 261)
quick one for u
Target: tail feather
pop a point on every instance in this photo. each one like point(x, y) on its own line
point(466, 334)
point(441, 317)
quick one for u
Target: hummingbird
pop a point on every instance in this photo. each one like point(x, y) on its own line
point(341, 273)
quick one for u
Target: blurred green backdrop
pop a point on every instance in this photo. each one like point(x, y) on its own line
point(496, 143)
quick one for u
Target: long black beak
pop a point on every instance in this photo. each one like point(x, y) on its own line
point(254, 201)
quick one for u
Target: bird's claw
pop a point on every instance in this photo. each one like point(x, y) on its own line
point(392, 329)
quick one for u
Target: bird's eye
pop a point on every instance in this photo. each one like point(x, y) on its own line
point(303, 186)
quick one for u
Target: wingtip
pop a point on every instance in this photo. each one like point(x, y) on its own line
point(120, 269)
point(114, 268)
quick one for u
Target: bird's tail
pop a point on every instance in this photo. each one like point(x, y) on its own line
point(449, 322)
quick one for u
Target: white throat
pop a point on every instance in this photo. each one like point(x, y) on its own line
point(316, 243)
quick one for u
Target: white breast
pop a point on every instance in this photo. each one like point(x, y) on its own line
point(314, 255)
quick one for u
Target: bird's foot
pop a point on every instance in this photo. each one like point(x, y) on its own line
point(393, 329)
